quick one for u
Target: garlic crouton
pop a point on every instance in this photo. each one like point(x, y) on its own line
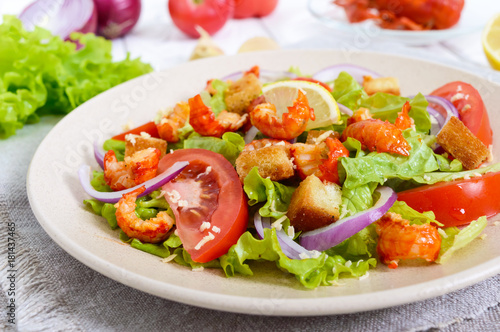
point(314, 204)
point(240, 94)
point(134, 143)
point(319, 136)
point(457, 140)
point(383, 84)
point(272, 161)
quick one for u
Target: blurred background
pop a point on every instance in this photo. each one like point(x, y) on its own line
point(157, 39)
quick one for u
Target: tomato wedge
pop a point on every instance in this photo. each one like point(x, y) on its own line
point(149, 128)
point(457, 202)
point(207, 190)
point(470, 106)
point(309, 79)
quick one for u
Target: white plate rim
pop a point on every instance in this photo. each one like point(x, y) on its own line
point(341, 305)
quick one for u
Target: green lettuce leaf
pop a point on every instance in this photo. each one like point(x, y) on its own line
point(117, 146)
point(456, 239)
point(98, 182)
point(357, 199)
point(361, 245)
point(386, 107)
point(217, 102)
point(311, 272)
point(431, 178)
point(106, 210)
point(378, 167)
point(230, 145)
point(41, 74)
point(276, 195)
point(347, 91)
point(412, 215)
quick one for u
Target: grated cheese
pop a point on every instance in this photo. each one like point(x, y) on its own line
point(291, 232)
point(323, 136)
point(304, 255)
point(277, 224)
point(145, 134)
point(176, 233)
point(466, 176)
point(466, 108)
point(174, 196)
point(130, 138)
point(203, 241)
point(357, 264)
point(205, 225)
point(182, 203)
point(348, 264)
point(315, 253)
point(427, 177)
point(281, 143)
point(456, 97)
point(476, 174)
point(459, 88)
point(169, 258)
point(483, 236)
point(207, 171)
point(216, 229)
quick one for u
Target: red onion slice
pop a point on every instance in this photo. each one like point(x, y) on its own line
point(266, 76)
point(113, 197)
point(329, 74)
point(61, 17)
point(445, 106)
point(326, 237)
point(289, 247)
point(250, 135)
point(99, 155)
point(344, 109)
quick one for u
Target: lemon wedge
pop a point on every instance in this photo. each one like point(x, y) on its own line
point(491, 41)
point(283, 93)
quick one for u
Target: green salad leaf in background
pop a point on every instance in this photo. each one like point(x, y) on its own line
point(41, 74)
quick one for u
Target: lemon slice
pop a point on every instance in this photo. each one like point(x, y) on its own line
point(283, 93)
point(491, 41)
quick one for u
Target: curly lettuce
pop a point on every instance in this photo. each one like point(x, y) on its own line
point(41, 74)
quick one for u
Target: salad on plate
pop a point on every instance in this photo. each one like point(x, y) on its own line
point(326, 175)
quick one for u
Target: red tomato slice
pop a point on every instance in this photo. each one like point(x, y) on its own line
point(207, 190)
point(457, 202)
point(474, 116)
point(149, 128)
point(308, 79)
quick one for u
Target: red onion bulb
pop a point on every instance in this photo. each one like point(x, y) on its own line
point(117, 17)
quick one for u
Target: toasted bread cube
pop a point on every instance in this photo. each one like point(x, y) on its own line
point(457, 140)
point(241, 93)
point(314, 204)
point(272, 161)
point(383, 84)
point(319, 136)
point(134, 143)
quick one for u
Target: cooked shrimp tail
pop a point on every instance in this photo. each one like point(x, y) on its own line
point(204, 122)
point(378, 135)
point(329, 168)
point(291, 125)
point(400, 240)
point(403, 121)
point(134, 170)
point(153, 230)
point(171, 123)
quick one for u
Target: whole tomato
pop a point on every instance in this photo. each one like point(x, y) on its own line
point(211, 15)
point(253, 8)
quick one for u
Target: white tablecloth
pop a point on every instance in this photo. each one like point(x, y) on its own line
point(55, 292)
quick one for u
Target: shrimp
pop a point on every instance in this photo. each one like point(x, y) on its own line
point(134, 170)
point(319, 159)
point(405, 14)
point(153, 230)
point(403, 121)
point(400, 240)
point(378, 135)
point(359, 115)
point(205, 123)
point(170, 124)
point(291, 125)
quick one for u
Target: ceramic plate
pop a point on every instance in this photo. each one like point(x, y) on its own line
point(56, 198)
point(473, 18)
